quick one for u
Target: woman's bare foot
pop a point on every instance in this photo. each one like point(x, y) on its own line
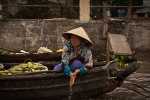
point(73, 77)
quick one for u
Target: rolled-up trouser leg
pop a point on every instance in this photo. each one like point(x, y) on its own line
point(66, 69)
point(58, 67)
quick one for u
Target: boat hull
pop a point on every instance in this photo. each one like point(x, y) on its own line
point(94, 87)
point(55, 85)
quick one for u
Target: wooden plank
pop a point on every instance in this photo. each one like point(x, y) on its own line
point(140, 18)
point(119, 44)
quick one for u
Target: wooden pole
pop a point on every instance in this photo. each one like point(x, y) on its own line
point(128, 17)
point(129, 10)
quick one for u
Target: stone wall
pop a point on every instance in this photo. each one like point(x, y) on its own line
point(29, 35)
point(139, 35)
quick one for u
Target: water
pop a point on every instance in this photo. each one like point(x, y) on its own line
point(128, 91)
point(71, 93)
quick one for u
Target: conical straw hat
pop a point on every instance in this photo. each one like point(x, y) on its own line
point(79, 32)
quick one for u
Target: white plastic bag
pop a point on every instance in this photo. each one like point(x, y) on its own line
point(43, 50)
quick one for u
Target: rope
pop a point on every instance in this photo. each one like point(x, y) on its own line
point(133, 90)
point(133, 84)
point(136, 91)
point(138, 86)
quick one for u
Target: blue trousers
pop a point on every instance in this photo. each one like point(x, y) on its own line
point(75, 65)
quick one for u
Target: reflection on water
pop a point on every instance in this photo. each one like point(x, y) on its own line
point(129, 91)
point(71, 93)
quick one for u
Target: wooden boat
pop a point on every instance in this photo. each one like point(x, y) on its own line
point(53, 56)
point(51, 84)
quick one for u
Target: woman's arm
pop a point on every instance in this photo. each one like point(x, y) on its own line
point(88, 64)
point(65, 56)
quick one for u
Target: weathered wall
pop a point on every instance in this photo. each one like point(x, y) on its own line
point(139, 35)
point(29, 35)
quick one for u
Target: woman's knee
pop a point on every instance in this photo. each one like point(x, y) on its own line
point(58, 67)
point(75, 65)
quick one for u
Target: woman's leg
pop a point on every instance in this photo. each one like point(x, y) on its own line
point(76, 65)
point(58, 67)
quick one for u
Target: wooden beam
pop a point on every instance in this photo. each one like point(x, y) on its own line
point(129, 10)
point(128, 17)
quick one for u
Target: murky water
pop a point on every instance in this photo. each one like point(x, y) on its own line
point(71, 93)
point(129, 91)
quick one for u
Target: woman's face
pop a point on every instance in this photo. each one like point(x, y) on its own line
point(76, 40)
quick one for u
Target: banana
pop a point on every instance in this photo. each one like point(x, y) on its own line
point(24, 67)
point(30, 64)
point(35, 67)
point(3, 74)
point(19, 69)
point(60, 50)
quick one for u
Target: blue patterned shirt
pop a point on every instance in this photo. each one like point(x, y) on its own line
point(84, 52)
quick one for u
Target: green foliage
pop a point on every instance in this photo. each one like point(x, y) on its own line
point(126, 3)
point(70, 12)
point(120, 62)
point(5, 52)
point(41, 12)
point(35, 12)
point(6, 15)
point(119, 59)
point(41, 2)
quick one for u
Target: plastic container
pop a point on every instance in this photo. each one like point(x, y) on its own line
point(121, 14)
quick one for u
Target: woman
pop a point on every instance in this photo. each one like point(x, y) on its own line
point(76, 55)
